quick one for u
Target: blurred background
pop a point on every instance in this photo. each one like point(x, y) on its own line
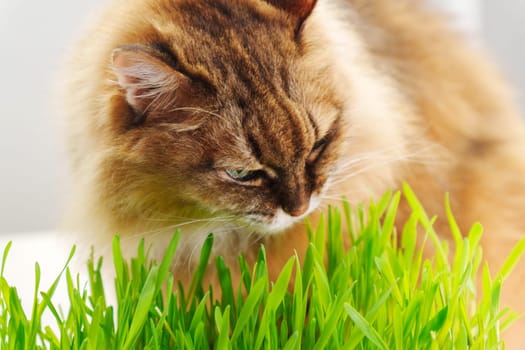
point(34, 36)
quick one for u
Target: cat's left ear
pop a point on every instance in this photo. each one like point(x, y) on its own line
point(149, 83)
point(298, 8)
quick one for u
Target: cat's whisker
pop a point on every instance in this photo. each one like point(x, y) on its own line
point(196, 247)
point(333, 198)
point(426, 153)
point(350, 168)
point(355, 161)
point(189, 220)
point(172, 228)
point(355, 195)
point(363, 168)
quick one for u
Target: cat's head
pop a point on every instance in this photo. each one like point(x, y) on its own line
point(220, 107)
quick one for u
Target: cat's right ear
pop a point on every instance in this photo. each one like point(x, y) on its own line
point(150, 85)
point(298, 8)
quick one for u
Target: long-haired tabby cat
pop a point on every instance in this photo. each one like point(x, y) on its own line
point(242, 117)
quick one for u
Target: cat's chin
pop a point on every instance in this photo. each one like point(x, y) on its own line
point(268, 226)
point(280, 221)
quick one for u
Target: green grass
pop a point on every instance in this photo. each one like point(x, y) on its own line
point(381, 293)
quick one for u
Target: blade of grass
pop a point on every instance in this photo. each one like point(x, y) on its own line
point(512, 260)
point(143, 306)
point(249, 309)
point(365, 327)
point(195, 289)
point(4, 257)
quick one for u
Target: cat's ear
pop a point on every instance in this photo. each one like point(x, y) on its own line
point(298, 8)
point(149, 83)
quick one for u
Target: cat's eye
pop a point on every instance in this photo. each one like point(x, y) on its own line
point(317, 150)
point(248, 177)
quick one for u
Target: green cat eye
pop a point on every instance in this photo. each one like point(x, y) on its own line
point(244, 175)
point(317, 150)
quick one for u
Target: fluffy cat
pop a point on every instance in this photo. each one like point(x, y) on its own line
point(243, 117)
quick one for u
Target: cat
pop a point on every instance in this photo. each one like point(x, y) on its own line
point(244, 117)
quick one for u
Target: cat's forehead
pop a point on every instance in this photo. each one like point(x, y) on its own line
point(220, 37)
point(202, 27)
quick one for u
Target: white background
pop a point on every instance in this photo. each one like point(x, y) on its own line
point(34, 35)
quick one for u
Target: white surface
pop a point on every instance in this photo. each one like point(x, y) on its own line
point(46, 248)
point(465, 13)
point(504, 33)
point(34, 37)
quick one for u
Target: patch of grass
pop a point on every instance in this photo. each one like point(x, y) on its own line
point(381, 293)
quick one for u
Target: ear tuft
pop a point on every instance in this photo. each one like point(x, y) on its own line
point(299, 8)
point(148, 81)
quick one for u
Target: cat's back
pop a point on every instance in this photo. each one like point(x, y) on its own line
point(447, 74)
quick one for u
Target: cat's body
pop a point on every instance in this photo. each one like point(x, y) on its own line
point(239, 117)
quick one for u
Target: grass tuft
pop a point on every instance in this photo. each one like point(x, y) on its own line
point(381, 292)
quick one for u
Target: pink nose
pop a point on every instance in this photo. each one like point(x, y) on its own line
point(298, 211)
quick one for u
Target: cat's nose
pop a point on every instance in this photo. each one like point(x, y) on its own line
point(297, 210)
point(295, 195)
